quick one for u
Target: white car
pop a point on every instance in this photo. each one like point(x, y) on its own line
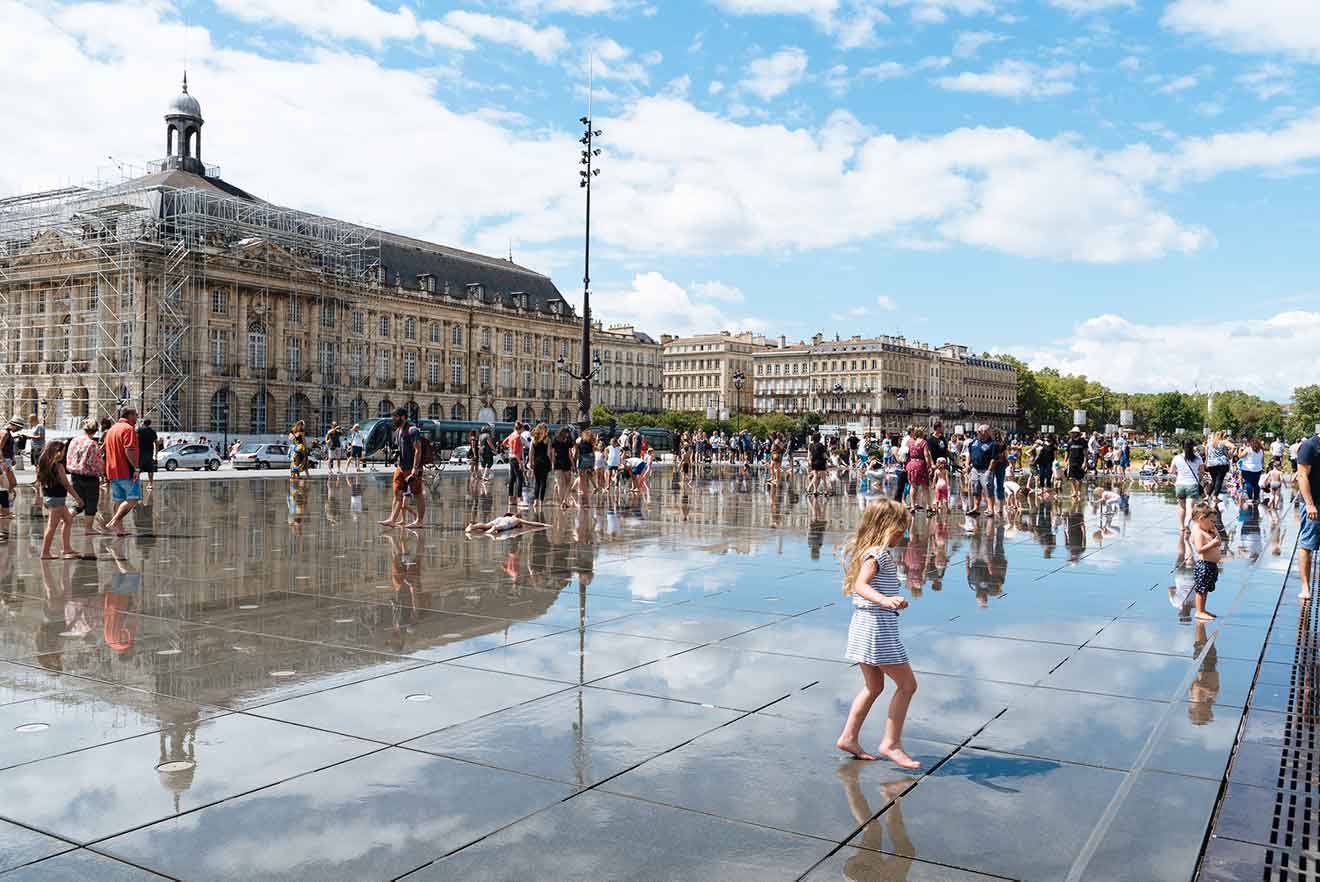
point(261, 456)
point(188, 456)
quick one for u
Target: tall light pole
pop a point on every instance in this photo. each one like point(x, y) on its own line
point(585, 175)
point(838, 397)
point(739, 378)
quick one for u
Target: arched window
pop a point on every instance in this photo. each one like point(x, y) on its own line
point(357, 410)
point(257, 346)
point(62, 343)
point(528, 415)
point(414, 412)
point(299, 408)
point(434, 411)
point(384, 408)
point(510, 413)
point(81, 402)
point(564, 418)
point(545, 414)
point(458, 412)
point(220, 412)
point(258, 422)
point(329, 412)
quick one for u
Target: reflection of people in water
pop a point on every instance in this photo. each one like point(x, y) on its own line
point(1074, 533)
point(877, 862)
point(121, 621)
point(406, 580)
point(986, 562)
point(1205, 688)
point(1044, 527)
point(55, 593)
point(816, 527)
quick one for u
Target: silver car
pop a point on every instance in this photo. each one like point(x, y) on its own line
point(188, 456)
point(261, 456)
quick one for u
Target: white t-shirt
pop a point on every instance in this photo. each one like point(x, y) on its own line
point(1253, 460)
point(1276, 449)
point(1188, 474)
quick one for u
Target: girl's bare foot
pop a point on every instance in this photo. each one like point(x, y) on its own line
point(1303, 595)
point(1205, 617)
point(899, 757)
point(855, 748)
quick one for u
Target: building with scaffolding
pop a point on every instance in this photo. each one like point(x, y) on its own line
point(214, 311)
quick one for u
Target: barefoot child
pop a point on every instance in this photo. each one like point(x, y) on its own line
point(942, 485)
point(1206, 544)
point(871, 579)
point(55, 492)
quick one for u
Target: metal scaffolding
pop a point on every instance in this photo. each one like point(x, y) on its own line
point(102, 288)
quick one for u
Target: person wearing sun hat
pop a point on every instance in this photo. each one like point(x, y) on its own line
point(8, 483)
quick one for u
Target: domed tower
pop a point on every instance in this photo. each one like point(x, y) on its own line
point(183, 133)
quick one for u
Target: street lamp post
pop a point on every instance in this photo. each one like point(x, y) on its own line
point(838, 397)
point(739, 378)
point(900, 396)
point(585, 175)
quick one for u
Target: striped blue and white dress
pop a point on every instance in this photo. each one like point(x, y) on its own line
point(873, 633)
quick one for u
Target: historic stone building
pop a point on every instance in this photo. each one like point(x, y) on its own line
point(629, 378)
point(215, 311)
point(885, 383)
point(703, 373)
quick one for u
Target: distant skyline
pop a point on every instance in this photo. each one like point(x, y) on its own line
point(1121, 188)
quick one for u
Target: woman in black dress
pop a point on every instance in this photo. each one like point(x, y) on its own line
point(561, 460)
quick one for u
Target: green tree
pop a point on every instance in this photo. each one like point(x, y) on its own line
point(602, 416)
point(1175, 410)
point(1305, 411)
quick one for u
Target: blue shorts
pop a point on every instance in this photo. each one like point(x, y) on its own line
point(1309, 535)
point(125, 490)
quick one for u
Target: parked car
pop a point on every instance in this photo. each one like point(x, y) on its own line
point(188, 456)
point(261, 456)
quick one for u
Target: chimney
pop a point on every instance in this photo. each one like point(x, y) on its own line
point(817, 338)
point(783, 341)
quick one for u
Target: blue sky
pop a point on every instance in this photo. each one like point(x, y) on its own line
point(1123, 188)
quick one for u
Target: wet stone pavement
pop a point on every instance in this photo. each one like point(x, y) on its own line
point(263, 684)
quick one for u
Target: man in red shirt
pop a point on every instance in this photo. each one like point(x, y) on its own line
point(121, 467)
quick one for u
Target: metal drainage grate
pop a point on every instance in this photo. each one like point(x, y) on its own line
point(1295, 827)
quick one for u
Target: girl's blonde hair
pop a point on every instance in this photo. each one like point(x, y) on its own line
point(882, 524)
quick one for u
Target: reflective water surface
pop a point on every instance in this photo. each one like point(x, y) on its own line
point(261, 683)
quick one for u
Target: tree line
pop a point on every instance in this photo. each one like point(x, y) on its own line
point(1048, 398)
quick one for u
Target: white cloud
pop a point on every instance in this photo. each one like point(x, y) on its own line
point(714, 290)
point(358, 20)
point(851, 23)
point(1209, 109)
point(679, 86)
point(545, 43)
point(1153, 357)
point(1289, 26)
point(1129, 62)
point(885, 70)
point(936, 11)
point(1268, 81)
point(1083, 7)
point(886, 303)
point(611, 60)
point(775, 74)
point(855, 312)
point(571, 7)
point(715, 87)
point(968, 43)
point(1014, 79)
point(837, 81)
point(653, 301)
point(679, 181)
point(1179, 84)
point(1284, 148)
point(364, 22)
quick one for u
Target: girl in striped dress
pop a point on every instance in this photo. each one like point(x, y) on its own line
point(871, 580)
